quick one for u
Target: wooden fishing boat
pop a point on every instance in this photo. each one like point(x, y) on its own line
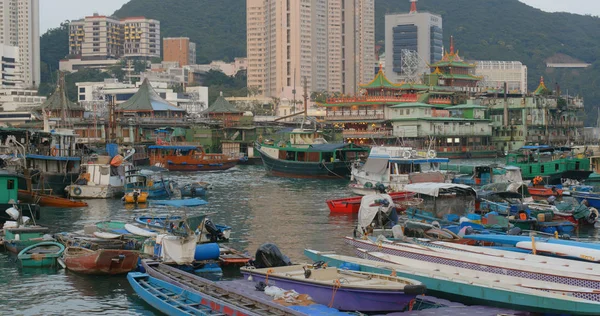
point(233, 295)
point(49, 200)
point(19, 238)
point(359, 291)
point(308, 155)
point(352, 204)
point(43, 254)
point(9, 198)
point(468, 289)
point(546, 286)
point(532, 270)
point(189, 158)
point(101, 261)
point(544, 192)
point(173, 300)
point(100, 240)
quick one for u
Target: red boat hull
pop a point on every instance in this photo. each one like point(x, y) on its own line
point(49, 200)
point(352, 205)
point(544, 192)
point(103, 261)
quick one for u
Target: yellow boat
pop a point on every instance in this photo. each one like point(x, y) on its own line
point(136, 197)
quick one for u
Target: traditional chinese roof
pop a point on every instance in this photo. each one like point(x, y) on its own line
point(380, 81)
point(541, 87)
point(461, 77)
point(413, 86)
point(59, 101)
point(451, 59)
point(146, 99)
point(222, 106)
point(416, 105)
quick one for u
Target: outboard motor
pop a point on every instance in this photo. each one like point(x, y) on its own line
point(215, 233)
point(269, 256)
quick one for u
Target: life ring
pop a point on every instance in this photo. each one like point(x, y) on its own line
point(431, 153)
point(54, 151)
point(406, 154)
point(77, 191)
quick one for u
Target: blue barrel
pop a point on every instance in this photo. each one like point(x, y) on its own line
point(207, 252)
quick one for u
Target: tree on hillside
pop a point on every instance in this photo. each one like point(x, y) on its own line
point(83, 75)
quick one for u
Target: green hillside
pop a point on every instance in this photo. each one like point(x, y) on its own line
point(483, 29)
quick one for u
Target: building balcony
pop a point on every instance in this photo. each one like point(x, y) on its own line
point(461, 149)
point(366, 133)
point(356, 115)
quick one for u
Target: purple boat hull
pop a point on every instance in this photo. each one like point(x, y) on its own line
point(345, 299)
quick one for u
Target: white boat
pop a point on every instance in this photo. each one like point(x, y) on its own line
point(497, 265)
point(567, 251)
point(394, 167)
point(139, 231)
point(100, 180)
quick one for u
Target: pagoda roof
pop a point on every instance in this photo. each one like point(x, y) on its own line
point(59, 101)
point(541, 87)
point(222, 106)
point(146, 99)
point(453, 63)
point(380, 81)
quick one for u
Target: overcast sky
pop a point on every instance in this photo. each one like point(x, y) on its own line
point(53, 12)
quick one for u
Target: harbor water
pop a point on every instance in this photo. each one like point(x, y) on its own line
point(288, 212)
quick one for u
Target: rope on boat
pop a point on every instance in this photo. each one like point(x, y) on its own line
point(335, 174)
point(267, 276)
point(336, 286)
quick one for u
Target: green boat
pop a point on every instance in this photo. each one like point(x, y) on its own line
point(467, 292)
point(43, 254)
point(307, 155)
point(19, 238)
point(550, 163)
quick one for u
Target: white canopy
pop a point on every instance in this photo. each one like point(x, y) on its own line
point(367, 213)
point(433, 188)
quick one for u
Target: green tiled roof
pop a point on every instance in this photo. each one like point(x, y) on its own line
point(459, 64)
point(222, 106)
point(414, 86)
point(462, 77)
point(439, 119)
point(380, 81)
point(466, 106)
point(146, 99)
point(415, 105)
point(59, 101)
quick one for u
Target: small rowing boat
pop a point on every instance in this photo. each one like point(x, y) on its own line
point(49, 200)
point(352, 204)
point(173, 300)
point(354, 290)
point(101, 261)
point(180, 203)
point(42, 254)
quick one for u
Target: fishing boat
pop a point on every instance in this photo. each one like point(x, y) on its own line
point(139, 187)
point(173, 300)
point(189, 158)
point(195, 189)
point(49, 200)
point(512, 240)
point(391, 168)
point(180, 202)
point(307, 155)
point(232, 294)
point(101, 180)
point(113, 230)
point(202, 226)
point(467, 289)
point(352, 204)
point(9, 198)
point(592, 198)
point(117, 241)
point(548, 162)
point(359, 291)
point(482, 175)
point(377, 215)
point(43, 254)
point(442, 202)
point(540, 285)
point(20, 234)
point(101, 261)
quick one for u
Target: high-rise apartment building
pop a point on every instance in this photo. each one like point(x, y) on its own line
point(180, 50)
point(414, 31)
point(11, 68)
point(20, 27)
point(141, 37)
point(101, 37)
point(329, 44)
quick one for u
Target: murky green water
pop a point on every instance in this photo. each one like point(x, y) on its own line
point(289, 212)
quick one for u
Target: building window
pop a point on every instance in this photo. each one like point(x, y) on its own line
point(10, 184)
point(96, 23)
point(81, 90)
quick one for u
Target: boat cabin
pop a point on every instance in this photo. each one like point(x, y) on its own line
point(104, 174)
point(443, 200)
point(9, 188)
point(549, 161)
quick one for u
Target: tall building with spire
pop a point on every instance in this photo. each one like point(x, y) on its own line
point(20, 27)
point(421, 32)
point(330, 44)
